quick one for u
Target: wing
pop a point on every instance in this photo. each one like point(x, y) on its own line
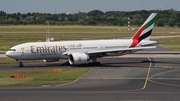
point(102, 52)
point(141, 46)
point(119, 50)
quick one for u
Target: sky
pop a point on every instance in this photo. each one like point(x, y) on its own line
point(74, 6)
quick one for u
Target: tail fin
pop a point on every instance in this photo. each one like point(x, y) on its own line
point(144, 31)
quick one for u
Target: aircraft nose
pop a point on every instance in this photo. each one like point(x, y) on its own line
point(8, 53)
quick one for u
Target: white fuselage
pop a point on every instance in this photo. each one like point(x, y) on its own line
point(51, 50)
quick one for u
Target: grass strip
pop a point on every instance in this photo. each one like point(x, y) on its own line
point(7, 60)
point(13, 35)
point(41, 77)
point(170, 43)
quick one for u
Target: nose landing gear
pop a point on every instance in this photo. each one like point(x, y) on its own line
point(20, 63)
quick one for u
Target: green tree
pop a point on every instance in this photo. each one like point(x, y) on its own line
point(160, 23)
point(171, 22)
point(95, 13)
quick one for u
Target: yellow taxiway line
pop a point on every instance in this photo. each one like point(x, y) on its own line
point(147, 77)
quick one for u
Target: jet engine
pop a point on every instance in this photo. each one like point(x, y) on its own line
point(78, 58)
point(50, 60)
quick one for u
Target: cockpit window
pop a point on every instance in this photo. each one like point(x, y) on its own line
point(12, 50)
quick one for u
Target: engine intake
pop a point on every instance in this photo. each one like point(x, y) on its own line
point(78, 58)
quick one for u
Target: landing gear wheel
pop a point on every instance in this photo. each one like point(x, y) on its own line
point(21, 64)
point(94, 63)
point(98, 63)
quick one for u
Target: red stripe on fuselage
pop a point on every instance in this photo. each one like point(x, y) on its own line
point(136, 36)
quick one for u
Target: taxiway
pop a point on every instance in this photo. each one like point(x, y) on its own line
point(117, 79)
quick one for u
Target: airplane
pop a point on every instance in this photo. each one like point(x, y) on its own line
point(81, 52)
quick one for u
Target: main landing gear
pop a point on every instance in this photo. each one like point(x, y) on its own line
point(94, 63)
point(20, 63)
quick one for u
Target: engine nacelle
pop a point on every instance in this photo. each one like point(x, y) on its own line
point(78, 58)
point(50, 60)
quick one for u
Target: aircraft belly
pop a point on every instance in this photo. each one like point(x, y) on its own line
point(41, 56)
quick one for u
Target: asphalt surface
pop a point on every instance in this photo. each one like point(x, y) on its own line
point(117, 79)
